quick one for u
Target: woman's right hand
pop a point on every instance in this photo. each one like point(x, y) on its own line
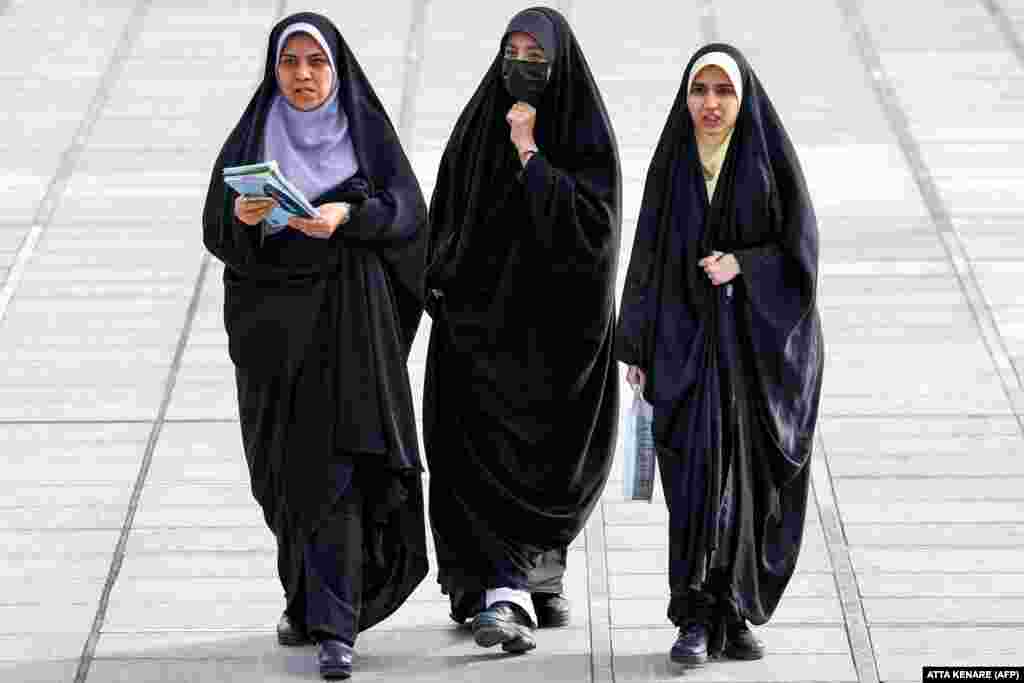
point(636, 378)
point(252, 210)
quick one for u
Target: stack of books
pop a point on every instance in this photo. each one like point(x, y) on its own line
point(265, 180)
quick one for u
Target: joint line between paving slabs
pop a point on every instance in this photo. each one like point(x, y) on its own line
point(69, 160)
point(854, 618)
point(602, 661)
point(708, 21)
point(413, 65)
point(89, 649)
point(952, 243)
point(1013, 39)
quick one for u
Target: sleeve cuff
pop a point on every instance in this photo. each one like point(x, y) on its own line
point(534, 174)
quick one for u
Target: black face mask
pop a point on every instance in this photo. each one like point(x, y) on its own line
point(524, 80)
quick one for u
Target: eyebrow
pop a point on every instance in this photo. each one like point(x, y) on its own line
point(288, 52)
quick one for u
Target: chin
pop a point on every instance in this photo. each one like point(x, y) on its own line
point(305, 102)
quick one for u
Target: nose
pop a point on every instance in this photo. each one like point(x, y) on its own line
point(711, 100)
point(302, 72)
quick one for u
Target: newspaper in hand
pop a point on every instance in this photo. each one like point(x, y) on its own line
point(265, 180)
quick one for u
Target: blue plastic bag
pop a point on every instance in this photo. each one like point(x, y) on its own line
point(638, 451)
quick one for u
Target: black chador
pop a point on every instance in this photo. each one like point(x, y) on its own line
point(320, 331)
point(521, 397)
point(733, 371)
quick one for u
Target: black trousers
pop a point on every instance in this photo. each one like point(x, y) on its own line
point(547, 577)
point(334, 571)
point(328, 597)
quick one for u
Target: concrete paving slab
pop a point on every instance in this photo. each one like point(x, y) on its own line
point(802, 668)
point(31, 649)
point(927, 560)
point(937, 585)
point(979, 535)
point(39, 671)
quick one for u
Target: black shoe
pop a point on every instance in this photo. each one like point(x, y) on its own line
point(335, 660)
point(740, 643)
point(552, 610)
point(691, 646)
point(505, 623)
point(290, 634)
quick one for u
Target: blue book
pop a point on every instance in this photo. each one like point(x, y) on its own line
point(266, 180)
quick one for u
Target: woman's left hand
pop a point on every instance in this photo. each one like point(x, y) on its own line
point(331, 216)
point(720, 268)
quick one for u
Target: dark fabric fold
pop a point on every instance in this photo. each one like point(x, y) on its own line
point(734, 373)
point(521, 399)
point(320, 332)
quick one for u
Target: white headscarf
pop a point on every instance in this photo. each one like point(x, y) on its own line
point(723, 61)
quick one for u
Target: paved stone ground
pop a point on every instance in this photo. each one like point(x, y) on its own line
point(132, 548)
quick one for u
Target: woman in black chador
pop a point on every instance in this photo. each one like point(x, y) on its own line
point(320, 316)
point(521, 395)
point(719, 327)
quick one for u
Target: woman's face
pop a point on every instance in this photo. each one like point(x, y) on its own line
point(304, 72)
point(713, 103)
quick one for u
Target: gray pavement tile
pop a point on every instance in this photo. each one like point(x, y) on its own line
point(11, 238)
point(200, 564)
point(31, 649)
point(792, 610)
point(981, 435)
point(36, 580)
point(956, 642)
point(813, 557)
point(984, 535)
point(202, 539)
point(945, 610)
point(106, 313)
point(777, 639)
point(931, 512)
point(630, 586)
point(622, 537)
point(76, 403)
point(47, 618)
point(133, 614)
point(231, 468)
point(1000, 281)
point(472, 664)
point(945, 559)
point(151, 516)
point(267, 589)
point(929, 489)
point(373, 644)
point(62, 581)
point(775, 668)
point(938, 585)
point(125, 206)
point(955, 26)
point(195, 494)
point(57, 544)
point(40, 671)
point(204, 400)
point(996, 460)
point(991, 237)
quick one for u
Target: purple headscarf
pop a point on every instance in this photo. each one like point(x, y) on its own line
point(313, 148)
